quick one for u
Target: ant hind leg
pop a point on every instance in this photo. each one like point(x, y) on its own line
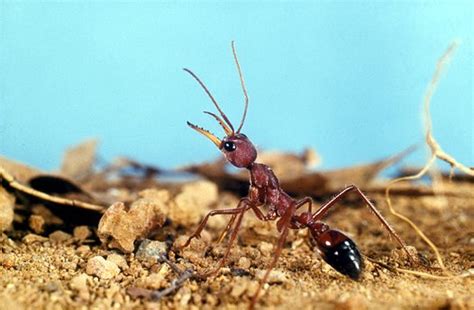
point(318, 215)
point(286, 220)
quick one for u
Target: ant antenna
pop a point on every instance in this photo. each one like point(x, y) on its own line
point(212, 99)
point(242, 82)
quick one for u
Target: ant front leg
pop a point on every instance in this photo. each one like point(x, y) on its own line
point(233, 236)
point(242, 206)
point(318, 215)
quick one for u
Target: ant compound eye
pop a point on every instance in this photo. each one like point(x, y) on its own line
point(229, 146)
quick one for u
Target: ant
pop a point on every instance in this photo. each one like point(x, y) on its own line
point(334, 246)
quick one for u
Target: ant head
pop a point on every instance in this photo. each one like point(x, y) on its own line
point(237, 148)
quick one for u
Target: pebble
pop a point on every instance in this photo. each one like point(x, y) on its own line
point(83, 250)
point(81, 233)
point(32, 238)
point(59, 236)
point(102, 268)
point(118, 259)
point(79, 283)
point(240, 286)
point(36, 223)
point(265, 248)
point(52, 286)
point(154, 281)
point(7, 260)
point(150, 250)
point(275, 276)
point(244, 262)
point(120, 227)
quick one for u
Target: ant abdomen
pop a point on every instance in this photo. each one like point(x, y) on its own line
point(339, 251)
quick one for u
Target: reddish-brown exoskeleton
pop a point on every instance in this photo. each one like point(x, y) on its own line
point(335, 247)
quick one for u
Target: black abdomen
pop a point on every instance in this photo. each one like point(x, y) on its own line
point(339, 251)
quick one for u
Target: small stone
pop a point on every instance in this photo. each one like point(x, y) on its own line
point(113, 289)
point(120, 227)
point(265, 248)
point(36, 223)
point(79, 283)
point(183, 302)
point(154, 281)
point(102, 268)
point(7, 260)
point(150, 251)
point(52, 286)
point(119, 260)
point(81, 233)
point(244, 262)
point(83, 250)
point(275, 276)
point(32, 238)
point(239, 287)
point(59, 236)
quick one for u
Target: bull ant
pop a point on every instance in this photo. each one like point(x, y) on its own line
point(335, 247)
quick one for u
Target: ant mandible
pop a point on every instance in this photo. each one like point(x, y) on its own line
point(335, 247)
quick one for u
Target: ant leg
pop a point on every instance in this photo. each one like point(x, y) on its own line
point(258, 213)
point(233, 236)
point(303, 201)
point(286, 219)
point(227, 228)
point(324, 209)
point(233, 211)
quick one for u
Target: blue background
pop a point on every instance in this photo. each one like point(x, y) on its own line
point(346, 78)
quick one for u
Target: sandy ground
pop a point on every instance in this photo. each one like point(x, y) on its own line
point(54, 271)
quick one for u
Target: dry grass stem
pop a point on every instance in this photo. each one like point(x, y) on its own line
point(436, 152)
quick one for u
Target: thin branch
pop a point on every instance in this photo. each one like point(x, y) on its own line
point(10, 180)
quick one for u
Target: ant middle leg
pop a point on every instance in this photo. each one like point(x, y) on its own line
point(318, 215)
point(242, 206)
point(258, 213)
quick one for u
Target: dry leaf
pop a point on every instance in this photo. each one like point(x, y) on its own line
point(7, 203)
point(21, 172)
point(300, 181)
point(78, 161)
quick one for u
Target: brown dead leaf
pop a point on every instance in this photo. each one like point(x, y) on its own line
point(78, 161)
point(290, 165)
point(119, 228)
point(296, 178)
point(21, 172)
point(7, 203)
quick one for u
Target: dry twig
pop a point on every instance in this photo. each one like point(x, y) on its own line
point(10, 180)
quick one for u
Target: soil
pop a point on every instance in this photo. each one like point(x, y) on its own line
point(42, 270)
